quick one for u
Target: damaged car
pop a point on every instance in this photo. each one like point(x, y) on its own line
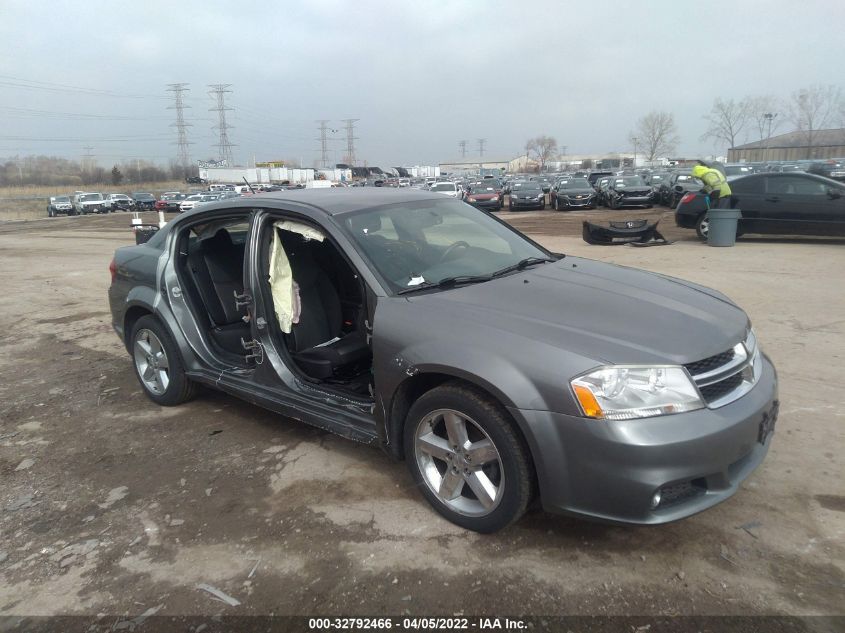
point(628, 191)
point(497, 369)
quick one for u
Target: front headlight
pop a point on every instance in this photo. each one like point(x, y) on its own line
point(625, 393)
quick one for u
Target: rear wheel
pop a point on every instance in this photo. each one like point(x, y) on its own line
point(467, 459)
point(702, 226)
point(158, 364)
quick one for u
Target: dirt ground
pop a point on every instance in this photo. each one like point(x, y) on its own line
point(110, 504)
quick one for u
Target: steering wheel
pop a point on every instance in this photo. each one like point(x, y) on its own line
point(452, 248)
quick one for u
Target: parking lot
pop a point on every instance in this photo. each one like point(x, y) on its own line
point(114, 505)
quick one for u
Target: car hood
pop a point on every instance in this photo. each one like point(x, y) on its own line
point(576, 192)
point(484, 194)
point(608, 313)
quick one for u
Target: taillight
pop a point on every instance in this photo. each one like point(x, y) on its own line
point(113, 269)
point(688, 197)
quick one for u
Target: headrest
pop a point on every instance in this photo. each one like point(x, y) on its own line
point(221, 240)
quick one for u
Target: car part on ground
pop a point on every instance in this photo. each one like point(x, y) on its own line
point(623, 232)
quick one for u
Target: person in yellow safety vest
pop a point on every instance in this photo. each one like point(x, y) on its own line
point(715, 186)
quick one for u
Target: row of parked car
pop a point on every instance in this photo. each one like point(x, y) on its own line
point(84, 203)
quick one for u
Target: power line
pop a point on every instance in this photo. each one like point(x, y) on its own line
point(463, 146)
point(350, 140)
point(224, 145)
point(183, 156)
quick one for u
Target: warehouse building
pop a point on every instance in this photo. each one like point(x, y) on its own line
point(792, 146)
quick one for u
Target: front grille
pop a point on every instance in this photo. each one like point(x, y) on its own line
point(722, 388)
point(711, 363)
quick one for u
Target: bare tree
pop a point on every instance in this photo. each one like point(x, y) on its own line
point(726, 120)
point(656, 134)
point(542, 148)
point(813, 109)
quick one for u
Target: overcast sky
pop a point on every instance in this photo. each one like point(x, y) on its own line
point(420, 76)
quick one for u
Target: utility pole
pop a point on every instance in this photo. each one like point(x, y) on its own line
point(224, 145)
point(183, 156)
point(563, 156)
point(769, 118)
point(463, 146)
point(481, 143)
point(636, 140)
point(350, 140)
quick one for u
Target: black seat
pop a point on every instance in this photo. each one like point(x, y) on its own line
point(216, 266)
point(317, 342)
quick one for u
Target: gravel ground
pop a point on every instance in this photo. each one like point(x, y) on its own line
point(111, 504)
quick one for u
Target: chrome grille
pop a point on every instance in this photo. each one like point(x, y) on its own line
point(724, 377)
point(710, 363)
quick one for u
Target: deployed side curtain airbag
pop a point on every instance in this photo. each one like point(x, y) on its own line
point(283, 288)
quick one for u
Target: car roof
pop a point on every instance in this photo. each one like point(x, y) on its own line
point(328, 200)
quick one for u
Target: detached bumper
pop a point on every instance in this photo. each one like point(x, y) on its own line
point(610, 470)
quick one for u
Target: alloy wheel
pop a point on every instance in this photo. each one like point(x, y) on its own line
point(151, 362)
point(459, 462)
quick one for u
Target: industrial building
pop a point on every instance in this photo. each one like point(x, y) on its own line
point(792, 146)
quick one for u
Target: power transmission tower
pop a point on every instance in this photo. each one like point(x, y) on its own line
point(481, 143)
point(324, 142)
point(88, 159)
point(350, 140)
point(183, 156)
point(224, 145)
point(463, 146)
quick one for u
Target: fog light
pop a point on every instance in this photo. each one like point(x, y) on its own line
point(655, 500)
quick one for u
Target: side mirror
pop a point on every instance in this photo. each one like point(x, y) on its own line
point(679, 188)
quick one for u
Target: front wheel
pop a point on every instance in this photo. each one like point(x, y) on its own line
point(467, 458)
point(158, 364)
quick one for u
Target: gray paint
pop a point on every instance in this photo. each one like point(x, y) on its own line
point(521, 338)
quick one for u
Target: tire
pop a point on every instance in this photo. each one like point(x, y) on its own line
point(702, 226)
point(168, 385)
point(507, 472)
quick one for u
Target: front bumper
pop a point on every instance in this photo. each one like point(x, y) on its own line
point(588, 201)
point(493, 203)
point(635, 201)
point(610, 470)
point(527, 204)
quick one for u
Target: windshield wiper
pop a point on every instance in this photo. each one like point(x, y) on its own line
point(447, 282)
point(522, 264)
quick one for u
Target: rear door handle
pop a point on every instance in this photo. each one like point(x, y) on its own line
point(773, 199)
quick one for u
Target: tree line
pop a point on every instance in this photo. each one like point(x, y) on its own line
point(729, 122)
point(55, 171)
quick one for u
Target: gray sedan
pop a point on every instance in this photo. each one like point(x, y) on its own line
point(497, 369)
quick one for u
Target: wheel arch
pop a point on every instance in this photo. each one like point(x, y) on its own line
point(413, 387)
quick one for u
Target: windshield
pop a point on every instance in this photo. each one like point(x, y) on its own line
point(142, 196)
point(629, 181)
point(443, 186)
point(62, 199)
point(89, 197)
point(412, 243)
point(735, 170)
point(481, 187)
point(575, 183)
point(530, 187)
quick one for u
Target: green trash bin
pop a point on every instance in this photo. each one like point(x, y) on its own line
point(723, 224)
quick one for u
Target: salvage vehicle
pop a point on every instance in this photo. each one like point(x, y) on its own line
point(529, 195)
point(59, 205)
point(494, 367)
point(143, 201)
point(188, 203)
point(447, 188)
point(573, 193)
point(628, 191)
point(791, 203)
point(118, 202)
point(833, 169)
point(85, 203)
point(679, 184)
point(484, 195)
